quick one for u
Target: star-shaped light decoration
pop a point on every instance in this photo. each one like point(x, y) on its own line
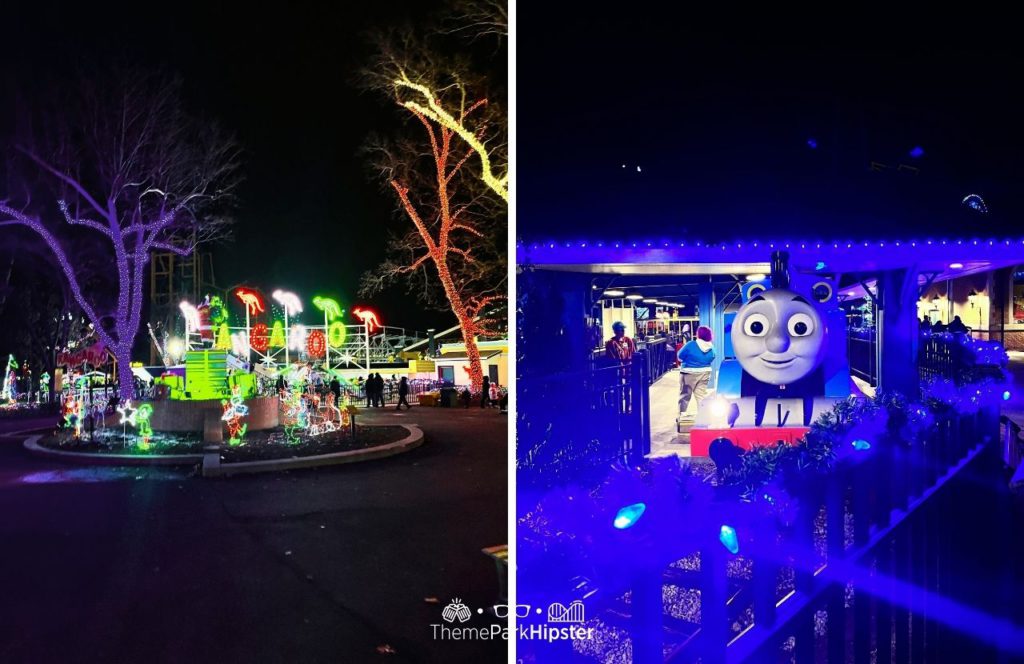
point(124, 409)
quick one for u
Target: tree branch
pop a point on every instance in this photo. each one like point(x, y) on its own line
point(77, 221)
point(19, 219)
point(67, 179)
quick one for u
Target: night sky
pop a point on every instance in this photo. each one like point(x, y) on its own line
point(718, 112)
point(282, 77)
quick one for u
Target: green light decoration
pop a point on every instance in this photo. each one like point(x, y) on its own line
point(234, 411)
point(332, 310)
point(44, 385)
point(244, 382)
point(295, 414)
point(142, 415)
point(223, 337)
point(336, 334)
point(72, 412)
point(206, 375)
point(218, 313)
point(138, 418)
point(8, 391)
point(277, 335)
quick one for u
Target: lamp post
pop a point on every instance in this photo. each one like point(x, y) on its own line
point(332, 310)
point(972, 298)
point(292, 305)
point(191, 316)
point(253, 305)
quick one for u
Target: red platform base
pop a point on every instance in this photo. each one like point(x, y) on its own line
point(746, 438)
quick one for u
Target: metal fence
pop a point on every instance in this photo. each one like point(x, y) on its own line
point(572, 424)
point(862, 351)
point(890, 529)
point(660, 359)
point(949, 356)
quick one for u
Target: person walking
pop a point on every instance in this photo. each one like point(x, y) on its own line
point(403, 392)
point(368, 386)
point(485, 393)
point(695, 359)
point(335, 388)
point(379, 391)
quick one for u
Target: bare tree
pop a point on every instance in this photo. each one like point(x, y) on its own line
point(477, 20)
point(412, 71)
point(453, 253)
point(451, 181)
point(120, 166)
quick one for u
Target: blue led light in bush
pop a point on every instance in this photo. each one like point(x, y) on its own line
point(729, 540)
point(629, 515)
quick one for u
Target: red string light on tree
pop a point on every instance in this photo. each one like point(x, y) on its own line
point(316, 344)
point(259, 337)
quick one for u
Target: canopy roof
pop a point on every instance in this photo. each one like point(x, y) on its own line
point(950, 256)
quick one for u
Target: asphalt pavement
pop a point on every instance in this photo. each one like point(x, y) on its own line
point(326, 565)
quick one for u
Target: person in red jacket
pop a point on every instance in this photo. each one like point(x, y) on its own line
point(620, 347)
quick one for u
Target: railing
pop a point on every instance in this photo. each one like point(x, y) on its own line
point(862, 350)
point(660, 359)
point(1013, 447)
point(938, 357)
point(956, 357)
point(416, 387)
point(872, 540)
point(574, 423)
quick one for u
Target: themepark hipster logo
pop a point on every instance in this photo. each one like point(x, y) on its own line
point(456, 614)
point(456, 610)
point(558, 613)
point(572, 616)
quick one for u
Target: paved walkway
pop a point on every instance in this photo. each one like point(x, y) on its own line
point(149, 565)
point(665, 438)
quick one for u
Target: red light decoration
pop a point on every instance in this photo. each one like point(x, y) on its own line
point(251, 300)
point(259, 337)
point(368, 317)
point(316, 344)
point(437, 225)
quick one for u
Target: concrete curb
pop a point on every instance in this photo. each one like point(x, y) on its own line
point(32, 445)
point(410, 442)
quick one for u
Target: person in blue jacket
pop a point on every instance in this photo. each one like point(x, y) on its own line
point(695, 359)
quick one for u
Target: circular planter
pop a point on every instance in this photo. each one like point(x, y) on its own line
point(32, 445)
point(181, 415)
point(212, 466)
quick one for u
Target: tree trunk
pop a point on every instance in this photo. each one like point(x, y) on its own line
point(476, 372)
point(125, 377)
point(466, 324)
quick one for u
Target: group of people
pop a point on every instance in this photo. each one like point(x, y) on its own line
point(313, 383)
point(694, 357)
point(374, 388)
point(956, 326)
point(491, 395)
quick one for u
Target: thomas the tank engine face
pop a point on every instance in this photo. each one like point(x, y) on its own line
point(778, 337)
